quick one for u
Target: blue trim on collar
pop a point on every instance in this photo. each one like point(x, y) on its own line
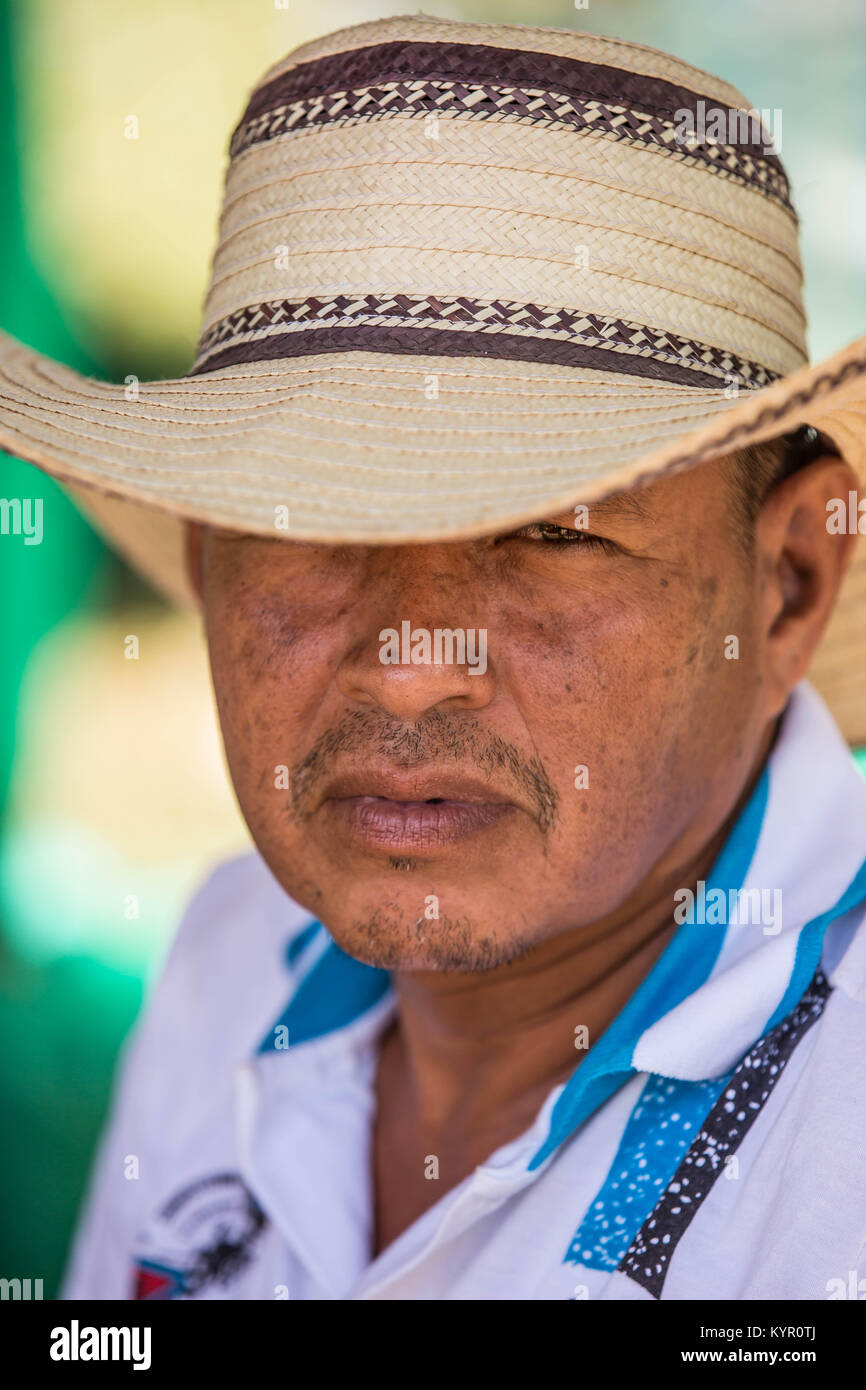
point(810, 943)
point(669, 1113)
point(337, 990)
point(298, 944)
point(665, 1121)
point(684, 965)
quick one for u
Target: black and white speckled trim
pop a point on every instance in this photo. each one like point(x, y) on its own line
point(648, 1258)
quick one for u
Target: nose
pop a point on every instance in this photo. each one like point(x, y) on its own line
point(420, 650)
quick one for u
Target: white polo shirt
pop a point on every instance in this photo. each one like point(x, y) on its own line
point(710, 1145)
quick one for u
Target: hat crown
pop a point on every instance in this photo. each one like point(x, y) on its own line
point(427, 186)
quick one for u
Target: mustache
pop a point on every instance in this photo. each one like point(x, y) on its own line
point(440, 738)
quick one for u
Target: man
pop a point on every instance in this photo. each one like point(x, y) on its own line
point(548, 978)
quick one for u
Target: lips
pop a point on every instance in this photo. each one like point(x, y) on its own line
point(413, 811)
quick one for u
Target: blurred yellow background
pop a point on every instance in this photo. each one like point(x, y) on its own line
point(107, 241)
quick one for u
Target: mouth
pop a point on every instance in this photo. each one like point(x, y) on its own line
point(401, 813)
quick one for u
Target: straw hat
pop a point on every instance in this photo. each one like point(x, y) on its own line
point(466, 275)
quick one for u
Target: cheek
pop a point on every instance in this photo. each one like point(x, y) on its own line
point(270, 662)
point(634, 687)
point(609, 647)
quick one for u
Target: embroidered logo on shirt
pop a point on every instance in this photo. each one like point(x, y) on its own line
point(202, 1236)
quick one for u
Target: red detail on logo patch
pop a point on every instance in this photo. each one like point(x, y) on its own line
point(155, 1283)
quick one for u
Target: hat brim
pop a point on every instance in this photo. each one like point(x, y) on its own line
point(375, 448)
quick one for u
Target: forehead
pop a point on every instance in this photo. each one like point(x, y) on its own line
point(700, 485)
point(678, 504)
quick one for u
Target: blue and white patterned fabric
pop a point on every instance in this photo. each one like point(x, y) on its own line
point(710, 1144)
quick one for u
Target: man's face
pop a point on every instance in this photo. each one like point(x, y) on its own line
point(440, 816)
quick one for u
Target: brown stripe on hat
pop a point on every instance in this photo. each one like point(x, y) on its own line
point(415, 324)
point(476, 80)
point(473, 63)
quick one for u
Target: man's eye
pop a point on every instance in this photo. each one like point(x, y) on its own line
point(548, 533)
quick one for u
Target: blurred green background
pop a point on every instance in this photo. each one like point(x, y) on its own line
point(105, 254)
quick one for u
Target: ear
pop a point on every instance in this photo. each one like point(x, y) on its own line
point(193, 546)
point(803, 561)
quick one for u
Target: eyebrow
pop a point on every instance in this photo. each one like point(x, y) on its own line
point(621, 504)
